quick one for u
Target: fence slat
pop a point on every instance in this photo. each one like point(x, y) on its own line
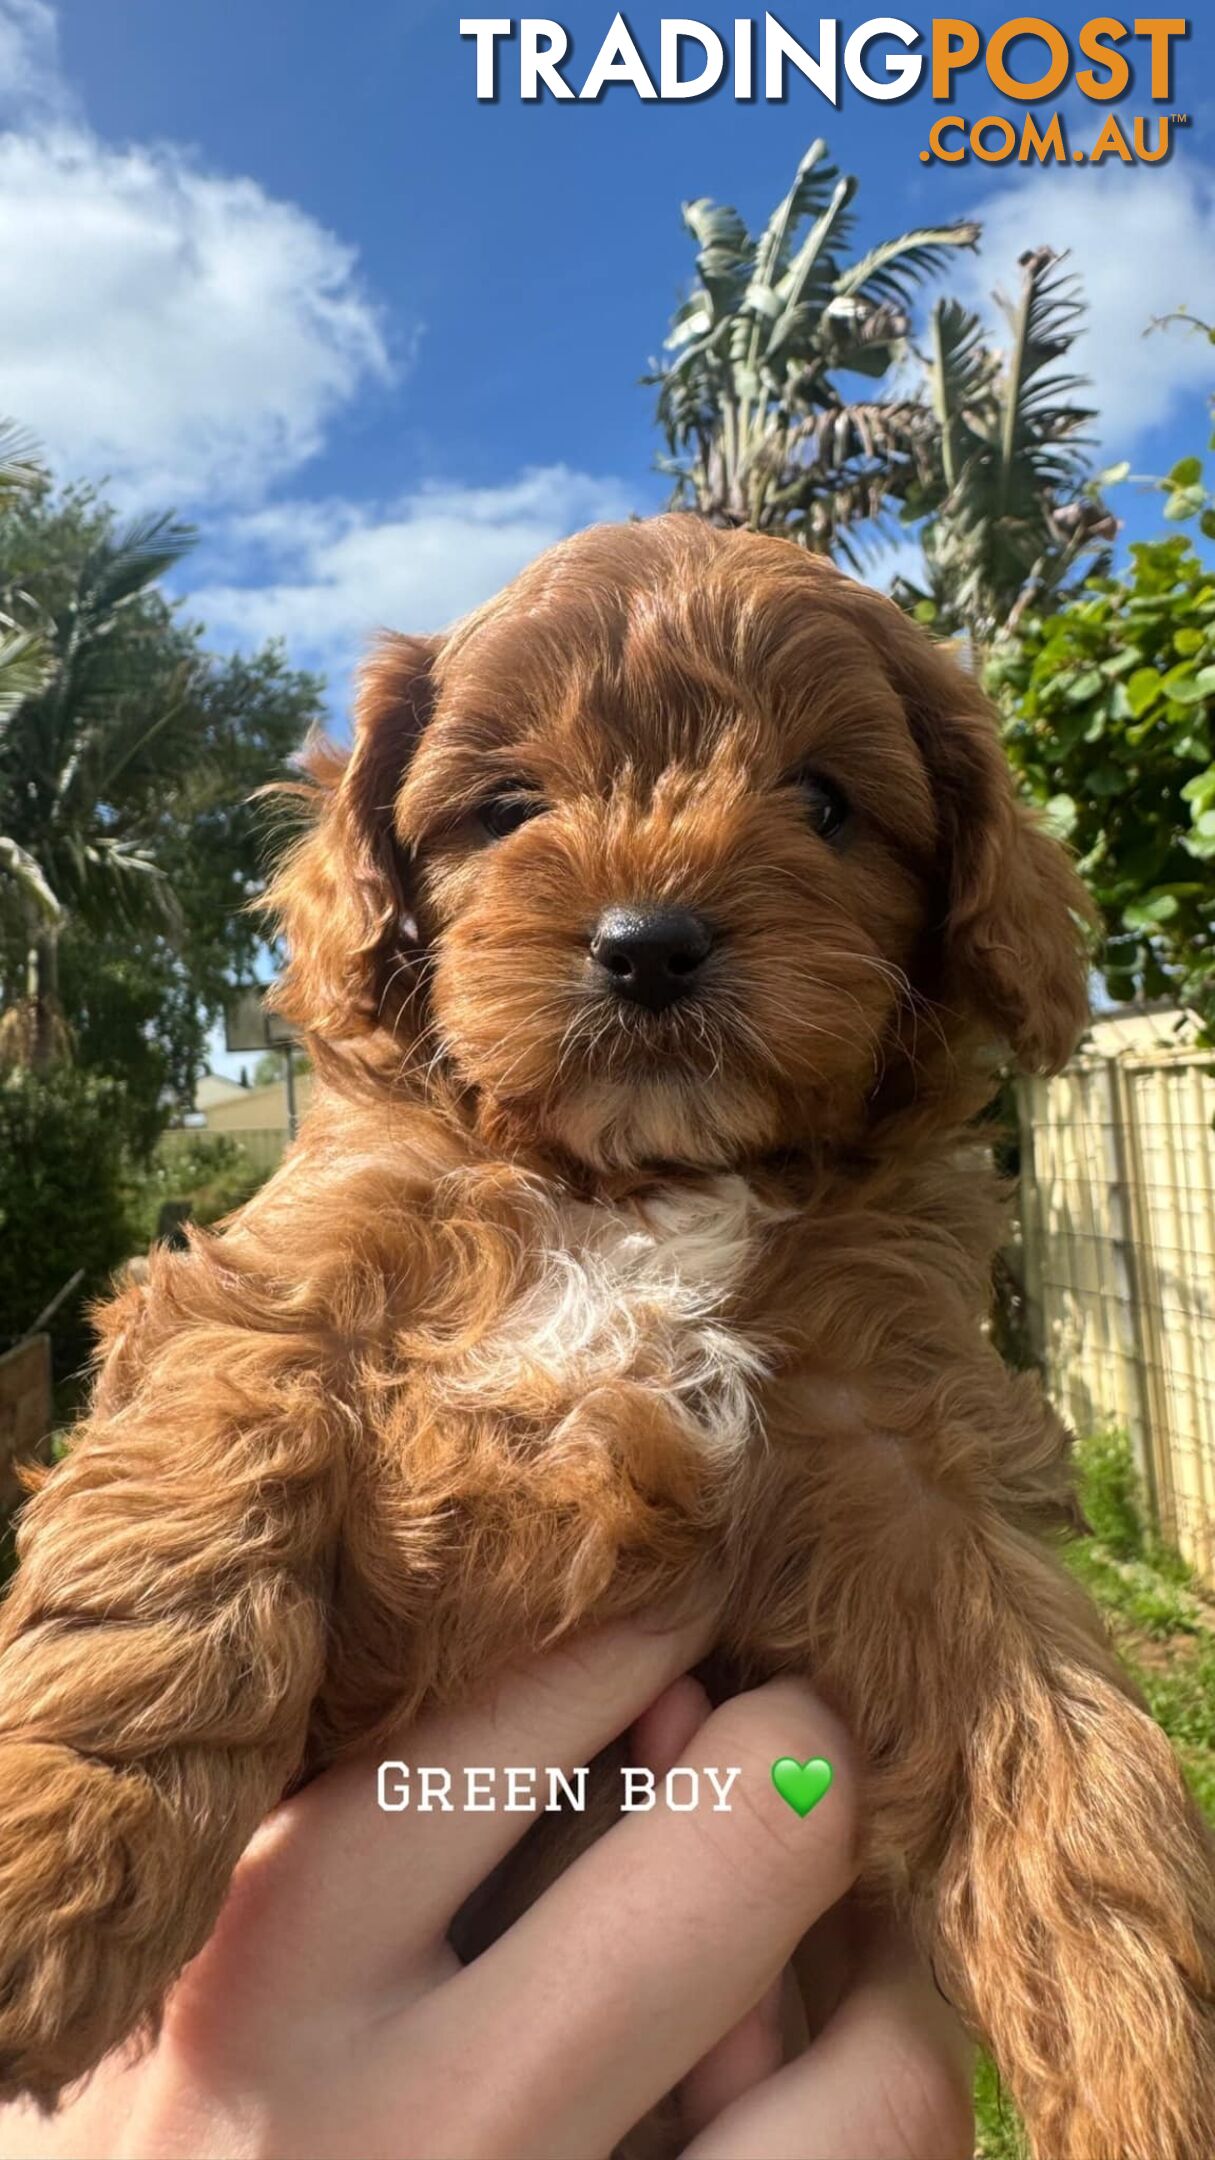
point(1118, 1218)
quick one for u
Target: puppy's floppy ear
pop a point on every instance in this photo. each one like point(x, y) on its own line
point(341, 895)
point(1016, 919)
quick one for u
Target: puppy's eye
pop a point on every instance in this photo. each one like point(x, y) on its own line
point(506, 811)
point(826, 805)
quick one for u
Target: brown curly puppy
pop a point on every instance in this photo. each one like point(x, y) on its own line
point(655, 945)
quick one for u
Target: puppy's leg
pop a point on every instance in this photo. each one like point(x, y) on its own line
point(1075, 1905)
point(1061, 1875)
point(159, 1650)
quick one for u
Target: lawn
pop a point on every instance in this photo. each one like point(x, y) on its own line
point(1165, 1632)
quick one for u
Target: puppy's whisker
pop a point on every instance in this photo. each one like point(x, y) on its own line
point(502, 1081)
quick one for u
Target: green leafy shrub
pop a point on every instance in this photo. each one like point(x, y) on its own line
point(1108, 708)
point(1126, 1562)
point(211, 1171)
point(1109, 1492)
point(1183, 1699)
point(64, 1199)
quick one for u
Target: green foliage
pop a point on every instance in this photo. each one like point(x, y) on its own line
point(1127, 1563)
point(1000, 2136)
point(1183, 1699)
point(210, 1170)
point(271, 1067)
point(124, 788)
point(1151, 1598)
point(760, 427)
point(1108, 707)
point(1199, 1767)
point(63, 1199)
point(1009, 504)
point(79, 758)
point(72, 1195)
point(24, 659)
point(1109, 1493)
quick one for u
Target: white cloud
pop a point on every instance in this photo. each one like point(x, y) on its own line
point(325, 575)
point(1142, 239)
point(188, 337)
point(30, 81)
point(179, 331)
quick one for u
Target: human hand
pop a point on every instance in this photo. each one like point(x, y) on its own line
point(329, 2019)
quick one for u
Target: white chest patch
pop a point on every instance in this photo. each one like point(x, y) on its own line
point(632, 1293)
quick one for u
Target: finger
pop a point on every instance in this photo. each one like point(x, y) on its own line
point(826, 1963)
point(660, 1735)
point(658, 1939)
point(750, 2052)
point(889, 2079)
point(342, 1896)
point(752, 2049)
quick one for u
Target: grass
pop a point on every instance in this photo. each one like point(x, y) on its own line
point(1164, 1629)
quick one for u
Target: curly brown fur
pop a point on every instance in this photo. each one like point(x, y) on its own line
point(558, 1308)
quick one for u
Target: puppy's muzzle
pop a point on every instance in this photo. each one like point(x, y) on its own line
point(651, 956)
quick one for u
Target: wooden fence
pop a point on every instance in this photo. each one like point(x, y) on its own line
point(25, 1409)
point(1118, 1223)
point(264, 1145)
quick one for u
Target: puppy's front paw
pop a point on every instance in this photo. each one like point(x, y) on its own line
point(91, 1877)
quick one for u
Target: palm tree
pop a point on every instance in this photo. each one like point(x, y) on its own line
point(1012, 512)
point(82, 766)
point(23, 655)
point(759, 430)
point(24, 666)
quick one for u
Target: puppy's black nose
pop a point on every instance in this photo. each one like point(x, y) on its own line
point(651, 955)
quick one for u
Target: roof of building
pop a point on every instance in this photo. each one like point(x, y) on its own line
point(1141, 1030)
point(214, 1088)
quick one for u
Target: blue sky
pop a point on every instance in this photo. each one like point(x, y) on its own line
point(271, 261)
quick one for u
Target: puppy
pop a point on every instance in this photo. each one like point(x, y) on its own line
point(656, 945)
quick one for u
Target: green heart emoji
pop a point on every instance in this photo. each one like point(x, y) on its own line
point(802, 1784)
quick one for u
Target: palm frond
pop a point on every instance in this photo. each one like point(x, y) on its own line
point(961, 374)
point(21, 467)
point(89, 677)
point(1040, 408)
point(758, 428)
point(892, 270)
point(812, 267)
point(814, 183)
point(1013, 454)
point(111, 877)
point(24, 875)
point(123, 568)
point(880, 433)
point(723, 258)
point(25, 667)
